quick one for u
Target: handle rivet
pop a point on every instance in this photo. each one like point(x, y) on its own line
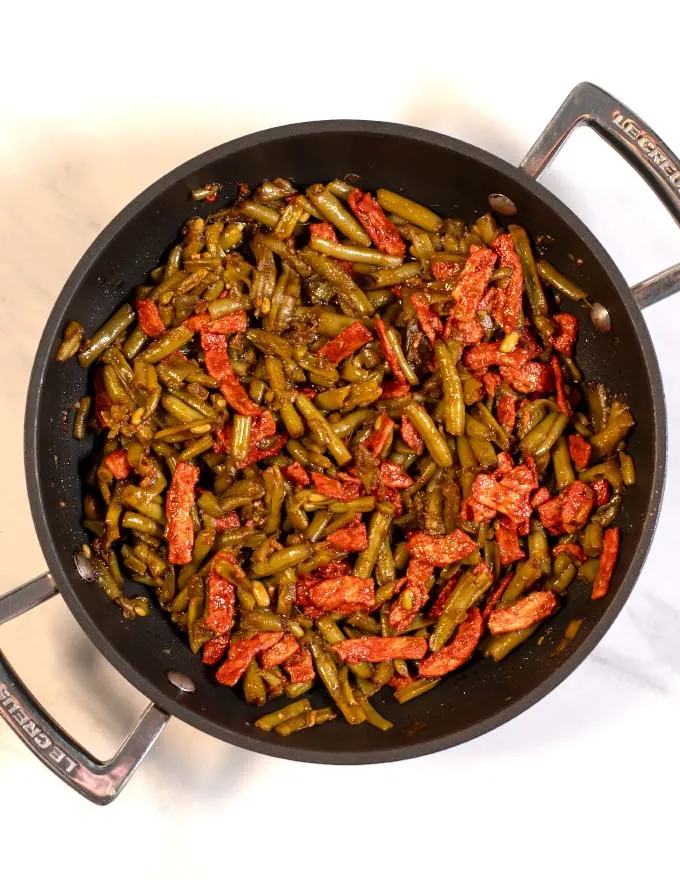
point(181, 681)
point(600, 318)
point(502, 205)
point(83, 566)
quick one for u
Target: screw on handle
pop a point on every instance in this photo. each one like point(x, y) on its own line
point(633, 139)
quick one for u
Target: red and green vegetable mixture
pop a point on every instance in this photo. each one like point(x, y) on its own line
point(344, 439)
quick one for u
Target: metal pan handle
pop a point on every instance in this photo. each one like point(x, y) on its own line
point(640, 147)
point(98, 781)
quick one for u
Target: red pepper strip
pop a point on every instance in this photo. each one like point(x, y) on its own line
point(579, 450)
point(417, 575)
point(540, 496)
point(214, 649)
point(352, 539)
point(564, 340)
point(380, 435)
point(508, 308)
point(410, 435)
point(472, 283)
point(529, 377)
point(440, 551)
point(300, 667)
point(444, 270)
point(236, 322)
point(443, 597)
point(611, 541)
point(393, 476)
point(280, 652)
point(488, 354)
point(601, 489)
point(491, 381)
point(377, 649)
point(468, 332)
point(216, 356)
point(578, 500)
point(241, 653)
point(429, 321)
point(395, 388)
point(509, 496)
point(495, 595)
point(508, 544)
point(324, 231)
point(348, 341)
point(383, 233)
point(225, 523)
point(237, 396)
point(506, 412)
point(262, 426)
point(562, 402)
point(334, 569)
point(458, 651)
point(296, 474)
point(524, 613)
point(388, 351)
point(117, 462)
point(220, 599)
point(178, 504)
point(334, 593)
point(574, 550)
point(331, 488)
point(149, 317)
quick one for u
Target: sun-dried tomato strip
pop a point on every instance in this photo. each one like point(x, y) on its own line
point(393, 476)
point(524, 613)
point(236, 322)
point(508, 544)
point(508, 308)
point(430, 322)
point(262, 426)
point(472, 283)
point(296, 474)
point(225, 523)
point(445, 270)
point(117, 462)
point(347, 490)
point(331, 594)
point(241, 653)
point(389, 353)
point(495, 595)
point(488, 354)
point(506, 412)
point(381, 434)
point(351, 539)
point(578, 500)
point(383, 233)
point(562, 402)
point(574, 550)
point(324, 231)
point(458, 651)
point(530, 377)
point(611, 541)
point(440, 551)
point(579, 450)
point(214, 649)
point(510, 495)
point(417, 575)
point(334, 569)
point(376, 649)
point(149, 318)
point(300, 667)
point(348, 341)
point(410, 435)
point(564, 339)
point(220, 599)
point(280, 652)
point(602, 491)
point(178, 504)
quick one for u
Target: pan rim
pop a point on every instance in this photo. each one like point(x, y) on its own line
point(178, 706)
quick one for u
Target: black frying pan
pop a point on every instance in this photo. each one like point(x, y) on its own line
point(455, 179)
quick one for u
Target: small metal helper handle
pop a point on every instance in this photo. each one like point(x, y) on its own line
point(98, 781)
point(640, 147)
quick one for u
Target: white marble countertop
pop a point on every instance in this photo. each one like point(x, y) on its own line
point(95, 108)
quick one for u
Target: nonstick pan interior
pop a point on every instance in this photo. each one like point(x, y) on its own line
point(455, 179)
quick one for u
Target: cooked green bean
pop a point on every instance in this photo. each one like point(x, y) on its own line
point(520, 239)
point(106, 335)
point(354, 253)
point(333, 210)
point(556, 280)
point(432, 437)
point(409, 210)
